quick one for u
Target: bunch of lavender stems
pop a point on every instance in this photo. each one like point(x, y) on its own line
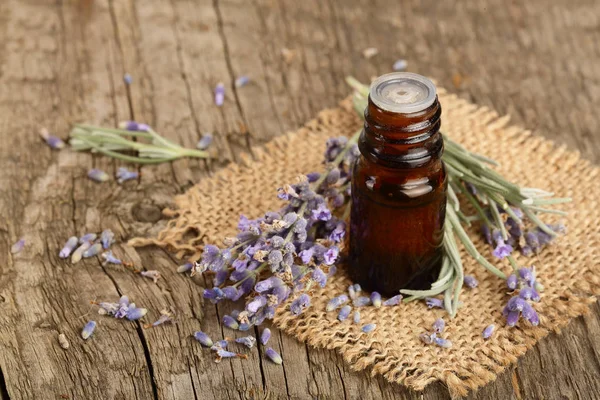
point(500, 207)
point(139, 139)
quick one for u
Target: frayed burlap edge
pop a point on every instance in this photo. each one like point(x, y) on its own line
point(569, 269)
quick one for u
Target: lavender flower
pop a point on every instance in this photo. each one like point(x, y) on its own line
point(135, 313)
point(400, 65)
point(529, 293)
point(205, 141)
point(151, 274)
point(512, 282)
point(321, 213)
point(127, 79)
point(369, 328)
point(248, 341)
point(78, 254)
point(319, 277)
point(203, 338)
point(439, 325)
point(221, 353)
point(165, 316)
point(488, 331)
point(230, 322)
point(109, 258)
point(54, 142)
point(241, 81)
point(470, 281)
point(219, 94)
point(445, 343)
point(18, 246)
point(185, 267)
point(265, 336)
point(393, 301)
point(331, 255)
point(274, 356)
point(97, 175)
point(123, 175)
point(134, 126)
point(107, 237)
point(376, 299)
point(88, 329)
point(361, 301)
point(336, 302)
point(300, 304)
point(344, 313)
point(502, 249)
point(434, 303)
point(68, 247)
point(88, 238)
point(92, 251)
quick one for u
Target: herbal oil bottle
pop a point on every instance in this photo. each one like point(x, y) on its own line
point(399, 187)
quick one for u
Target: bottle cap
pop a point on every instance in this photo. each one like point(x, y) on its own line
point(402, 92)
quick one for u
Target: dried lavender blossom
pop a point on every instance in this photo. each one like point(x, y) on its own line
point(445, 343)
point(230, 322)
point(123, 175)
point(88, 329)
point(54, 142)
point(336, 302)
point(393, 301)
point(98, 175)
point(134, 126)
point(62, 340)
point(434, 303)
point(248, 341)
point(512, 281)
point(273, 356)
point(361, 301)
point(427, 338)
point(344, 313)
point(107, 238)
point(356, 317)
point(376, 299)
point(18, 246)
point(151, 274)
point(241, 81)
point(205, 141)
point(78, 253)
point(92, 251)
point(109, 258)
point(88, 238)
point(135, 313)
point(470, 281)
point(488, 331)
point(203, 338)
point(185, 267)
point(369, 328)
point(165, 316)
point(219, 94)
point(68, 247)
point(400, 65)
point(439, 325)
point(265, 336)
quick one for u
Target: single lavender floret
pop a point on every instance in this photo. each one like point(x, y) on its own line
point(134, 126)
point(265, 336)
point(135, 313)
point(400, 65)
point(356, 317)
point(185, 267)
point(527, 275)
point(88, 238)
point(92, 251)
point(98, 175)
point(488, 331)
point(127, 79)
point(529, 293)
point(369, 328)
point(512, 281)
point(319, 277)
point(512, 317)
point(530, 314)
point(344, 313)
point(54, 142)
point(248, 341)
point(515, 304)
point(445, 343)
point(107, 237)
point(362, 301)
point(241, 81)
point(300, 304)
point(18, 246)
point(123, 175)
point(331, 255)
point(151, 274)
point(230, 322)
point(393, 301)
point(88, 329)
point(502, 249)
point(109, 258)
point(351, 292)
point(165, 317)
point(337, 302)
point(470, 281)
point(203, 338)
point(68, 247)
point(221, 353)
point(205, 141)
point(439, 325)
point(78, 253)
point(219, 94)
point(273, 356)
point(321, 213)
point(434, 303)
point(376, 299)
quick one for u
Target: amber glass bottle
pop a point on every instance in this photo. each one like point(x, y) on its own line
point(398, 187)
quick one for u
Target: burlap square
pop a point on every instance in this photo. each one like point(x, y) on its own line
point(569, 269)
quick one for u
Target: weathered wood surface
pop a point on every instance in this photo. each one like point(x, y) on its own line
point(63, 61)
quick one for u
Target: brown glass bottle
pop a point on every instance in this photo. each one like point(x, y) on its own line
point(398, 187)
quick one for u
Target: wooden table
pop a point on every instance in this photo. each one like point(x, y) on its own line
point(63, 61)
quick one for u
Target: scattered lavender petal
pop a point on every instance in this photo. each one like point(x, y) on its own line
point(241, 81)
point(18, 246)
point(88, 329)
point(400, 65)
point(434, 303)
point(127, 79)
point(336, 302)
point(97, 175)
point(219, 94)
point(356, 317)
point(88, 238)
point(439, 325)
point(300, 304)
point(134, 126)
point(92, 251)
point(445, 343)
point(362, 301)
point(109, 258)
point(248, 341)
point(68, 247)
point(165, 316)
point(488, 331)
point(470, 281)
point(78, 254)
point(344, 313)
point(107, 237)
point(123, 175)
point(427, 338)
point(54, 142)
point(376, 299)
point(230, 322)
point(512, 282)
point(151, 274)
point(369, 328)
point(265, 336)
point(273, 356)
point(185, 267)
point(134, 313)
point(393, 301)
point(205, 141)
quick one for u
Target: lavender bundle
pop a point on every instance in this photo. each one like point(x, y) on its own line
point(509, 219)
point(283, 254)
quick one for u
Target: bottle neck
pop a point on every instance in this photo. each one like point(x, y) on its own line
point(403, 141)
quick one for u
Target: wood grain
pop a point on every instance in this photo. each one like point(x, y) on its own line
point(62, 61)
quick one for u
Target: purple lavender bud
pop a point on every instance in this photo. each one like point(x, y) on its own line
point(543, 237)
point(88, 238)
point(516, 304)
point(427, 338)
point(135, 313)
point(78, 254)
point(255, 304)
point(203, 338)
point(265, 336)
point(512, 281)
point(351, 292)
point(275, 258)
point(485, 231)
point(488, 331)
point(97, 175)
point(336, 302)
point(526, 251)
point(331, 255)
point(18, 246)
point(185, 267)
point(221, 344)
point(527, 275)
point(332, 271)
point(512, 317)
point(306, 255)
point(92, 251)
point(333, 176)
point(204, 142)
point(68, 247)
point(241, 81)
point(362, 301)
point(337, 235)
point(164, 317)
point(376, 299)
point(230, 322)
point(470, 281)
point(434, 303)
point(319, 277)
point(110, 258)
point(344, 313)
point(400, 65)
point(321, 213)
point(268, 284)
point(219, 94)
point(300, 225)
point(393, 301)
point(530, 314)
point(107, 237)
point(248, 341)
point(273, 356)
point(123, 175)
point(230, 292)
point(528, 293)
point(445, 343)
point(502, 250)
point(357, 288)
point(313, 176)
point(220, 277)
point(244, 327)
point(222, 353)
point(439, 325)
point(300, 304)
point(369, 328)
point(134, 126)
point(124, 301)
point(88, 329)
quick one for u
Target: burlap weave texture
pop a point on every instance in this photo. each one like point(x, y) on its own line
point(569, 270)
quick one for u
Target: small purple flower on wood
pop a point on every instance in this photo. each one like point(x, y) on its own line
point(344, 313)
point(393, 301)
point(88, 329)
point(369, 328)
point(273, 356)
point(109, 258)
point(78, 254)
point(205, 141)
point(88, 238)
point(488, 331)
point(470, 281)
point(439, 325)
point(230, 322)
point(300, 304)
point(92, 251)
point(265, 336)
point(241, 81)
point(376, 299)
point(97, 175)
point(18, 246)
point(248, 341)
point(68, 247)
point(219, 94)
point(54, 142)
point(123, 174)
point(134, 126)
point(203, 338)
point(336, 302)
point(151, 274)
point(127, 79)
point(185, 267)
point(135, 313)
point(107, 237)
point(434, 303)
